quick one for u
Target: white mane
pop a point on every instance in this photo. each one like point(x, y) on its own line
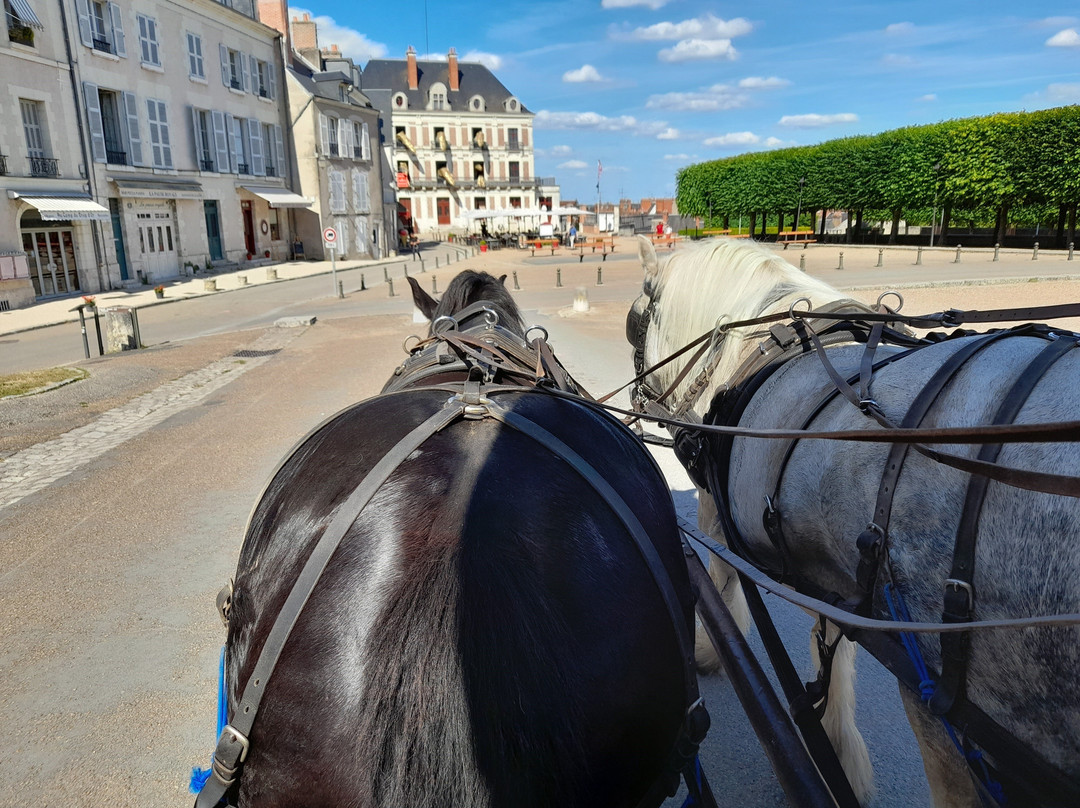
point(733, 279)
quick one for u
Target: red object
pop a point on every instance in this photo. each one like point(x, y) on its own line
point(483, 248)
point(659, 228)
point(402, 180)
point(266, 254)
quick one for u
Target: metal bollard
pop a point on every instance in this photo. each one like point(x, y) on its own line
point(997, 249)
point(599, 276)
point(1035, 252)
point(1070, 251)
point(423, 269)
point(558, 277)
point(516, 287)
point(957, 259)
point(405, 266)
point(802, 263)
point(436, 262)
point(341, 289)
point(363, 286)
point(390, 282)
point(918, 258)
point(841, 266)
point(879, 254)
point(385, 274)
point(434, 285)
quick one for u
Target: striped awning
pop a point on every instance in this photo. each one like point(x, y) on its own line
point(25, 14)
point(279, 197)
point(63, 208)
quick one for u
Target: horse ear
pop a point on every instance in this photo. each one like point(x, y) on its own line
point(649, 261)
point(425, 302)
point(502, 280)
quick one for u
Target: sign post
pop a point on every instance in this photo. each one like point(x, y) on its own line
point(330, 237)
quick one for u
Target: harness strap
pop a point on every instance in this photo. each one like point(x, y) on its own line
point(233, 743)
point(959, 600)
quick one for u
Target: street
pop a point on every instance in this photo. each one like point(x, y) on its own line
point(109, 565)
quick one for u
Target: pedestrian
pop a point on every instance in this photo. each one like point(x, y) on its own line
point(572, 234)
point(667, 230)
point(414, 242)
point(659, 228)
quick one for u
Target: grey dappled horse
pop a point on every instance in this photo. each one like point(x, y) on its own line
point(1027, 555)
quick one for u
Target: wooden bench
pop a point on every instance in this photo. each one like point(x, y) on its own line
point(606, 244)
point(543, 244)
point(712, 231)
point(665, 241)
point(803, 237)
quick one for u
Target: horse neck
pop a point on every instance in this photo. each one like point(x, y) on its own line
point(737, 284)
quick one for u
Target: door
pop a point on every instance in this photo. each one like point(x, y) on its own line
point(213, 229)
point(249, 227)
point(51, 257)
point(158, 244)
point(118, 237)
point(442, 208)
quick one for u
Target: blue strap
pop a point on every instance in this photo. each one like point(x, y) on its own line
point(691, 800)
point(200, 776)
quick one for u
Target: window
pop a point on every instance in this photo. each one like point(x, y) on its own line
point(332, 124)
point(196, 68)
point(361, 196)
point(113, 119)
point(101, 26)
point(204, 138)
point(360, 138)
point(269, 152)
point(20, 23)
point(515, 201)
point(514, 168)
point(31, 119)
point(438, 101)
point(148, 41)
point(262, 79)
point(275, 228)
point(512, 139)
point(234, 68)
point(337, 192)
point(110, 120)
point(237, 134)
point(160, 148)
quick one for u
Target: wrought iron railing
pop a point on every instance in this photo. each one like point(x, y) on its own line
point(3, 165)
point(103, 45)
point(117, 158)
point(263, 93)
point(206, 165)
point(243, 168)
point(44, 167)
point(357, 152)
point(271, 171)
point(333, 150)
point(235, 83)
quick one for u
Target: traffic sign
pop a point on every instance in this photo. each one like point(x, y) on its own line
point(329, 235)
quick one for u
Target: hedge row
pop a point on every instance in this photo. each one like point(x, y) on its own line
point(986, 166)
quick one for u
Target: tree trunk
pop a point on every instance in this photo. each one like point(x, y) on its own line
point(1060, 233)
point(1072, 225)
point(946, 211)
point(895, 231)
point(858, 224)
point(850, 228)
point(727, 222)
point(753, 222)
point(1002, 224)
point(764, 221)
point(813, 221)
point(780, 222)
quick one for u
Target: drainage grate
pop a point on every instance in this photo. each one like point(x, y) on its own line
point(246, 354)
point(5, 305)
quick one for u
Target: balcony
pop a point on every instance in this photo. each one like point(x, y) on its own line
point(206, 165)
point(103, 45)
point(44, 167)
point(271, 171)
point(116, 157)
point(3, 165)
point(235, 83)
point(357, 153)
point(243, 168)
point(333, 150)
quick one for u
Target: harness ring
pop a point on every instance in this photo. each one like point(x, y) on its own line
point(532, 328)
point(798, 315)
point(892, 293)
point(444, 324)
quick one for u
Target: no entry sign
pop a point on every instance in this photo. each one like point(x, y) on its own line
point(329, 236)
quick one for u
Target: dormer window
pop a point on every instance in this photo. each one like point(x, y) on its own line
point(400, 101)
point(476, 104)
point(511, 105)
point(437, 97)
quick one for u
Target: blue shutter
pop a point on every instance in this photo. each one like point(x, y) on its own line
point(221, 141)
point(82, 9)
point(93, 114)
point(117, 18)
point(131, 113)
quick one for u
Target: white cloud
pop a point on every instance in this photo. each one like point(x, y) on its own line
point(653, 4)
point(1055, 95)
point(698, 49)
point(349, 41)
point(595, 122)
point(554, 151)
point(707, 27)
point(1067, 38)
point(669, 134)
point(678, 157)
point(813, 120)
point(583, 73)
point(900, 28)
point(489, 60)
point(733, 139)
point(759, 83)
point(928, 97)
point(574, 164)
point(713, 99)
point(777, 143)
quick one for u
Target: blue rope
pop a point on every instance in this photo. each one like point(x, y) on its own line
point(200, 776)
point(899, 612)
point(690, 802)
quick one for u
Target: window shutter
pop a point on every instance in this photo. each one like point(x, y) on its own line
point(163, 133)
point(245, 81)
point(196, 138)
point(221, 141)
point(337, 192)
point(82, 9)
point(271, 79)
point(365, 143)
point(360, 223)
point(343, 137)
point(223, 52)
point(93, 114)
point(117, 17)
point(355, 190)
point(236, 141)
point(279, 147)
point(258, 167)
point(155, 56)
point(365, 193)
point(324, 125)
point(342, 226)
point(254, 64)
point(131, 111)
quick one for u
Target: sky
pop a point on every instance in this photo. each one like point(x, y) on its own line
point(645, 87)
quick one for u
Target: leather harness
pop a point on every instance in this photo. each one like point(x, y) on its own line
point(484, 355)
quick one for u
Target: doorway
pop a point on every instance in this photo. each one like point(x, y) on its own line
point(51, 258)
point(213, 229)
point(249, 227)
point(157, 244)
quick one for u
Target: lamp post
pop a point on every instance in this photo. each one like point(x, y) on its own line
point(798, 212)
point(933, 210)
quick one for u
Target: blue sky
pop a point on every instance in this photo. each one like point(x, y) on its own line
point(649, 86)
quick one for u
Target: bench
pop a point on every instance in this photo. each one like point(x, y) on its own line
point(605, 243)
point(543, 244)
point(803, 237)
point(712, 231)
point(662, 241)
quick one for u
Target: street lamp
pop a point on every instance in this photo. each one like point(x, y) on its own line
point(798, 213)
point(933, 210)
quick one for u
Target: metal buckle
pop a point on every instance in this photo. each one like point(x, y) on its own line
point(964, 586)
point(239, 738)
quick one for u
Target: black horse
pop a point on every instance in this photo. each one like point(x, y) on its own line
point(489, 630)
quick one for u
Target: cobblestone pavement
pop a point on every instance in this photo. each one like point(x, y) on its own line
point(26, 472)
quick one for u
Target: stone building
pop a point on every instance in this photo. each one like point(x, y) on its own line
point(458, 142)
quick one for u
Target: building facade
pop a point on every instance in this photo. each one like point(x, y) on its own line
point(458, 142)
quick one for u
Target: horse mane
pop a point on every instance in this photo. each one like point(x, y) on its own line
point(473, 287)
point(729, 278)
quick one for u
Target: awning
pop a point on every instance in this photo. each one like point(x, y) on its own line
point(158, 188)
point(279, 197)
point(26, 14)
point(62, 208)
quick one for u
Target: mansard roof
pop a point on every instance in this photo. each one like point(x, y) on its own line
point(382, 78)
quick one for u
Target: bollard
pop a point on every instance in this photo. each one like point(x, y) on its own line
point(241, 280)
point(997, 249)
point(82, 325)
point(436, 262)
point(385, 274)
point(390, 282)
point(802, 263)
point(434, 285)
point(341, 289)
point(516, 287)
point(97, 328)
point(918, 258)
point(271, 274)
point(581, 299)
point(599, 276)
point(558, 277)
point(957, 259)
point(423, 269)
point(1035, 252)
point(405, 266)
point(1070, 251)
point(879, 254)
point(841, 266)
point(363, 286)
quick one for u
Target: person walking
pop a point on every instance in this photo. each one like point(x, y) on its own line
point(414, 243)
point(572, 235)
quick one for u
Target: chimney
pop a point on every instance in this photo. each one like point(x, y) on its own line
point(305, 35)
point(414, 79)
point(275, 13)
point(452, 69)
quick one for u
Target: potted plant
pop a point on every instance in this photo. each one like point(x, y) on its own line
point(250, 256)
point(483, 245)
point(159, 291)
point(266, 253)
point(88, 301)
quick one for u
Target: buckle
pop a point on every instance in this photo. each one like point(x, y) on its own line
point(237, 737)
point(956, 585)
